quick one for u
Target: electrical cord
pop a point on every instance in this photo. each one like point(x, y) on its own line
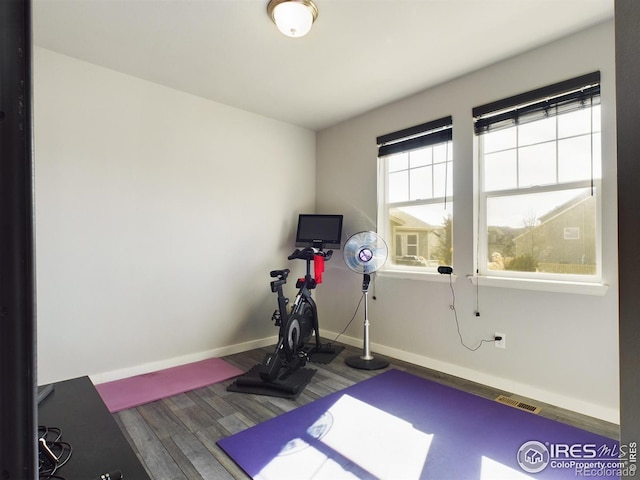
point(352, 318)
point(48, 469)
point(455, 312)
point(452, 307)
point(53, 453)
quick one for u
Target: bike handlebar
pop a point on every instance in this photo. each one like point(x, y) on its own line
point(308, 253)
point(281, 274)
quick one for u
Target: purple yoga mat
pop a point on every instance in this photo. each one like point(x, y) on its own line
point(134, 391)
point(400, 426)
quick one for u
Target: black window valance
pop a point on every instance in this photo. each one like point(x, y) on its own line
point(419, 136)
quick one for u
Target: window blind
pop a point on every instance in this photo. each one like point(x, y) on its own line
point(562, 97)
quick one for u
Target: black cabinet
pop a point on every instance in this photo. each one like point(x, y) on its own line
point(99, 446)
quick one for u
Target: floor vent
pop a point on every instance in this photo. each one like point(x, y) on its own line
point(518, 404)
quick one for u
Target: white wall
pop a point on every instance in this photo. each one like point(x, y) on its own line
point(561, 348)
point(158, 215)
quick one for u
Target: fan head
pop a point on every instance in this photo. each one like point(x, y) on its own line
point(365, 252)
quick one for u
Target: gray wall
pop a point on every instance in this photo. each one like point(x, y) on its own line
point(562, 347)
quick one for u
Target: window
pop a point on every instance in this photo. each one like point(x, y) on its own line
point(415, 195)
point(539, 183)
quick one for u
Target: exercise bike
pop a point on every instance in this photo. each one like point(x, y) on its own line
point(297, 325)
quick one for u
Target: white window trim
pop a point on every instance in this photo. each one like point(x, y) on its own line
point(420, 273)
point(389, 269)
point(593, 284)
point(541, 285)
point(383, 225)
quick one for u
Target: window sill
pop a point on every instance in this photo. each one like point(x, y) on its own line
point(417, 275)
point(598, 289)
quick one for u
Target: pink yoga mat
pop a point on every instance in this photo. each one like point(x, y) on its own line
point(134, 391)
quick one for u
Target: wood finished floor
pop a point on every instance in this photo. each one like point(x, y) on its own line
point(175, 438)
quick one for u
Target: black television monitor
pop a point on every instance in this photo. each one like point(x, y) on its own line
point(320, 231)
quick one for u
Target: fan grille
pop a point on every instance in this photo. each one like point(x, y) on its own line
point(365, 252)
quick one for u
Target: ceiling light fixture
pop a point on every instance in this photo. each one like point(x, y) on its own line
point(293, 17)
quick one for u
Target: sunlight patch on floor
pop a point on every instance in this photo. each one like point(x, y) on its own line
point(493, 470)
point(306, 462)
point(379, 443)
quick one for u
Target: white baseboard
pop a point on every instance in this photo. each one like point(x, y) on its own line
point(607, 414)
point(576, 405)
point(182, 360)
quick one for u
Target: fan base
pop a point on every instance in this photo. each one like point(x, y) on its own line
point(366, 364)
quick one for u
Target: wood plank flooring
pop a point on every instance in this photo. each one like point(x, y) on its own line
point(175, 438)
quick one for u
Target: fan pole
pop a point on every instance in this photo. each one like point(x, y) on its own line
point(366, 361)
point(366, 351)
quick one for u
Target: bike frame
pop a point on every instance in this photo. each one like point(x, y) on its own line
point(286, 355)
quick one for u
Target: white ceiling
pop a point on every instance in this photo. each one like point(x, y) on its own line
point(360, 54)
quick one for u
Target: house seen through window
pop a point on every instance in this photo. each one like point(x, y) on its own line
point(415, 185)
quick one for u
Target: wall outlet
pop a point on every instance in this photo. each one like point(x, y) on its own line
point(500, 343)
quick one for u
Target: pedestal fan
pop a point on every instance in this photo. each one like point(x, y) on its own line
point(364, 253)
